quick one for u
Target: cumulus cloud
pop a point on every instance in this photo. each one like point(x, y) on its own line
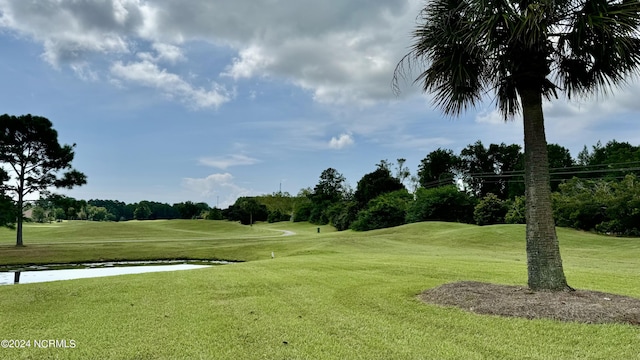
point(220, 185)
point(164, 53)
point(70, 31)
point(252, 61)
point(341, 52)
point(223, 162)
point(341, 142)
point(149, 74)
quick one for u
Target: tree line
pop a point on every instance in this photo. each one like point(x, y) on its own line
point(596, 191)
point(484, 185)
point(59, 207)
point(480, 185)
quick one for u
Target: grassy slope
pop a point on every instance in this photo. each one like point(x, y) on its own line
point(329, 295)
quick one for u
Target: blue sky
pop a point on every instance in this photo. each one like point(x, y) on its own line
point(210, 100)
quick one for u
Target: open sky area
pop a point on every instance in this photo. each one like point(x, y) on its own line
point(207, 100)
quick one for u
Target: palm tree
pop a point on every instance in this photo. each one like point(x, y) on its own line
point(521, 52)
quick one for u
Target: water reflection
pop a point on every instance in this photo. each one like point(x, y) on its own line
point(26, 277)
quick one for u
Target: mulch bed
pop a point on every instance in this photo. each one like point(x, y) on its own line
point(591, 307)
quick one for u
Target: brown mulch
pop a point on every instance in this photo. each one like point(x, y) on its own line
point(583, 306)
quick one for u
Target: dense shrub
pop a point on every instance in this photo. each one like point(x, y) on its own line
point(607, 206)
point(319, 214)
point(247, 210)
point(580, 204)
point(445, 203)
point(343, 214)
point(516, 211)
point(375, 184)
point(277, 216)
point(213, 214)
point(386, 210)
point(302, 212)
point(489, 210)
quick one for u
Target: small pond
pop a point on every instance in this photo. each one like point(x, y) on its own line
point(54, 272)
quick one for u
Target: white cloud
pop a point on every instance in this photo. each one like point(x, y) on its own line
point(341, 142)
point(252, 61)
point(164, 52)
point(168, 52)
point(71, 30)
point(341, 52)
point(220, 185)
point(223, 162)
point(149, 74)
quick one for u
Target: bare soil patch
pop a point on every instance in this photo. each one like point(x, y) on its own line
point(584, 306)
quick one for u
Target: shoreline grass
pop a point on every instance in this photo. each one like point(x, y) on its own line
point(332, 295)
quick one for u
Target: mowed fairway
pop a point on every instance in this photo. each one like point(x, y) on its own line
point(332, 295)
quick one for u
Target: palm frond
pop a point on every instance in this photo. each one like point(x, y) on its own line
point(470, 47)
point(601, 48)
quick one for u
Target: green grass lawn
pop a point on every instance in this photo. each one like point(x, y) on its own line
point(327, 295)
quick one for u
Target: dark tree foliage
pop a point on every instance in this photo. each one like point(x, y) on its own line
point(507, 161)
point(603, 205)
point(342, 214)
point(302, 212)
point(559, 157)
point(615, 152)
point(329, 191)
point(476, 163)
point(162, 210)
point(119, 209)
point(214, 214)
point(68, 205)
point(438, 168)
point(560, 165)
point(330, 188)
point(142, 211)
point(375, 184)
point(8, 211)
point(190, 210)
point(386, 210)
point(247, 210)
point(30, 149)
point(277, 216)
point(445, 203)
point(611, 161)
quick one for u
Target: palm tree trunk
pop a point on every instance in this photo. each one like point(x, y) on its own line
point(544, 264)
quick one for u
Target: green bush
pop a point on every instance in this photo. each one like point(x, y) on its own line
point(607, 206)
point(490, 210)
point(386, 210)
point(580, 204)
point(343, 214)
point(277, 216)
point(516, 211)
point(444, 203)
point(302, 212)
point(214, 214)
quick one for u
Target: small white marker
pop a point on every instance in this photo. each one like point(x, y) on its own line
point(273, 255)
